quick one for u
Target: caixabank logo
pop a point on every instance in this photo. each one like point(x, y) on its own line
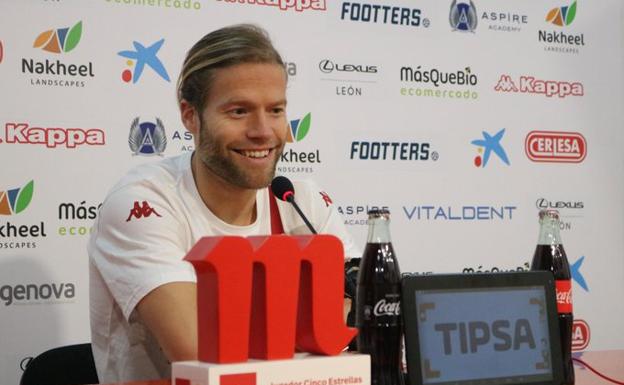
point(555, 146)
point(388, 14)
point(141, 57)
point(532, 85)
point(58, 72)
point(489, 145)
point(51, 137)
point(14, 201)
point(147, 138)
point(561, 41)
point(285, 5)
point(293, 160)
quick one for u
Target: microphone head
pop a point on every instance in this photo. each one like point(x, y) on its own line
point(283, 188)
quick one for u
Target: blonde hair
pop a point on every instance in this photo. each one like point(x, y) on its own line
point(225, 47)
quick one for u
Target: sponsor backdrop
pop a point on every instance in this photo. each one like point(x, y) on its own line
point(463, 118)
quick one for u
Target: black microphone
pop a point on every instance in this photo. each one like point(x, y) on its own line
point(284, 190)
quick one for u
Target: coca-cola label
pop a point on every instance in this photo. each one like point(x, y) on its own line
point(383, 307)
point(563, 288)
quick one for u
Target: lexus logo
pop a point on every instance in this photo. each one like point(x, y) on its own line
point(326, 66)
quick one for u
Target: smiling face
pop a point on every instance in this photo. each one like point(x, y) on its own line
point(243, 126)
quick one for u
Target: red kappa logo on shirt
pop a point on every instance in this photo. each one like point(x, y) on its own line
point(140, 211)
point(326, 198)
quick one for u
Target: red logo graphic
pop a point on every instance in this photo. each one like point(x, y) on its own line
point(580, 335)
point(53, 136)
point(141, 211)
point(259, 297)
point(326, 198)
point(552, 146)
point(531, 85)
point(238, 379)
point(563, 289)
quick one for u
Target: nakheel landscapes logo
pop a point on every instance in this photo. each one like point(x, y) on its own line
point(14, 201)
point(285, 5)
point(292, 160)
point(557, 40)
point(58, 72)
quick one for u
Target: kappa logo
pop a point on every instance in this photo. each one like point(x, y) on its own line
point(61, 40)
point(552, 146)
point(299, 128)
point(463, 16)
point(142, 210)
point(22, 133)
point(147, 138)
point(16, 200)
point(562, 15)
point(139, 58)
point(326, 198)
point(529, 84)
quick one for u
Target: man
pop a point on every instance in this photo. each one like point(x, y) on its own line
point(232, 98)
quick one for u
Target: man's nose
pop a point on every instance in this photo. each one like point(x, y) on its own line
point(261, 126)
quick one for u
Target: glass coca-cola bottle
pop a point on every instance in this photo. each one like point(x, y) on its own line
point(550, 256)
point(378, 303)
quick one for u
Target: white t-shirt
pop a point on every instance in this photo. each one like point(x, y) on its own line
point(146, 225)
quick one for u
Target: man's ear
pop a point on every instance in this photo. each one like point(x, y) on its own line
point(190, 117)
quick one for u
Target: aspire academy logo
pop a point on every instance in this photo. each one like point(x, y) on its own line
point(553, 146)
point(562, 15)
point(147, 138)
point(299, 128)
point(16, 200)
point(463, 16)
point(139, 58)
point(52, 137)
point(60, 40)
point(487, 145)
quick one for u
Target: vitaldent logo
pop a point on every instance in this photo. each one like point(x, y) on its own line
point(558, 41)
point(432, 79)
point(81, 216)
point(553, 146)
point(14, 201)
point(531, 85)
point(286, 5)
point(298, 161)
point(487, 145)
point(463, 16)
point(171, 4)
point(139, 58)
point(383, 14)
point(147, 138)
point(58, 73)
point(459, 212)
point(34, 294)
point(52, 137)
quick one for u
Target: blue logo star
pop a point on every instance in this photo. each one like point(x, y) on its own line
point(491, 143)
point(575, 271)
point(145, 56)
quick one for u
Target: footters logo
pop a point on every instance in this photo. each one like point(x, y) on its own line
point(552, 146)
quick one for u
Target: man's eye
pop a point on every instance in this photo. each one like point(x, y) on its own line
point(278, 110)
point(238, 111)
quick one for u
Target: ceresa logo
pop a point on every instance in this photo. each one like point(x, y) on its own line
point(580, 335)
point(551, 146)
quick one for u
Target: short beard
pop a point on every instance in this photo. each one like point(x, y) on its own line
point(212, 156)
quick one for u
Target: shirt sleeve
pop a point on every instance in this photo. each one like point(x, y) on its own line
point(139, 244)
point(326, 219)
